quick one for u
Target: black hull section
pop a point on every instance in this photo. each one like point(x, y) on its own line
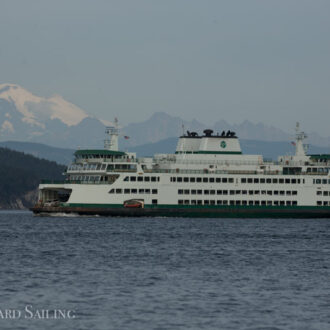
point(212, 212)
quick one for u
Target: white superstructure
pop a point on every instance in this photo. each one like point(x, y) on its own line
point(206, 170)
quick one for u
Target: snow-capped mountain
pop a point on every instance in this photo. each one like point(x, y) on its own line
point(53, 120)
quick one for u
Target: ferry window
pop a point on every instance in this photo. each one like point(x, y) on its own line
point(282, 202)
point(318, 181)
point(288, 193)
point(244, 202)
point(238, 192)
point(186, 201)
point(193, 202)
point(199, 202)
point(180, 191)
point(294, 192)
point(256, 192)
point(186, 192)
point(133, 191)
point(192, 180)
point(111, 191)
point(250, 202)
point(179, 179)
point(269, 203)
point(133, 178)
point(185, 179)
point(244, 192)
point(206, 202)
point(232, 202)
point(225, 192)
point(153, 179)
point(180, 201)
point(193, 192)
point(256, 203)
point(141, 191)
point(147, 179)
point(275, 192)
point(281, 180)
point(324, 181)
point(325, 193)
point(243, 180)
point(154, 191)
point(288, 203)
point(154, 201)
point(98, 167)
point(275, 180)
point(158, 178)
point(238, 202)
point(224, 180)
point(103, 167)
point(282, 192)
point(231, 180)
point(173, 179)
point(147, 191)
point(287, 181)
point(263, 192)
point(319, 203)
point(212, 192)
point(262, 180)
point(249, 181)
point(118, 191)
point(319, 193)
point(211, 179)
point(127, 191)
point(212, 202)
point(219, 192)
point(205, 179)
point(206, 192)
point(126, 178)
point(294, 203)
point(225, 202)
point(269, 192)
point(325, 203)
point(255, 180)
point(232, 192)
point(219, 202)
point(250, 192)
point(269, 180)
point(140, 178)
point(109, 168)
point(276, 202)
point(294, 181)
point(298, 181)
point(198, 179)
point(217, 180)
point(263, 202)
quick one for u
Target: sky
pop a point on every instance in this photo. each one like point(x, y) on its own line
point(258, 60)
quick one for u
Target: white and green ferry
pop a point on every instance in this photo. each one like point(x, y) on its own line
point(207, 176)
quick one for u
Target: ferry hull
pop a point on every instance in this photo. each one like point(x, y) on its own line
point(190, 212)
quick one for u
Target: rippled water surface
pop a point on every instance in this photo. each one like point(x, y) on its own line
point(165, 273)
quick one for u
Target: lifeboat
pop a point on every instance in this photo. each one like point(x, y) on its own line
point(134, 203)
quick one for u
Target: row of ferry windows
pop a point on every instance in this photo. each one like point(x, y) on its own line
point(324, 203)
point(236, 192)
point(324, 193)
point(142, 178)
point(133, 191)
point(321, 181)
point(231, 180)
point(232, 202)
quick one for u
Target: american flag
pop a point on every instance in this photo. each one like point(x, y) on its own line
point(293, 143)
point(126, 137)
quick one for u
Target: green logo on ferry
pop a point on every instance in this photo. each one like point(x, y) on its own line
point(223, 144)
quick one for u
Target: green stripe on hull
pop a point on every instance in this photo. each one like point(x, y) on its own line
point(197, 211)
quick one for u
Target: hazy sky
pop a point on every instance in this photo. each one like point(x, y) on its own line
point(265, 60)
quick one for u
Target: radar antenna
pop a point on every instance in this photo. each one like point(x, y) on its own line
point(300, 137)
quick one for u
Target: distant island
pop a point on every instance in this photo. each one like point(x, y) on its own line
point(20, 175)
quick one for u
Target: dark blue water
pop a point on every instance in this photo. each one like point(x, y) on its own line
point(123, 273)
